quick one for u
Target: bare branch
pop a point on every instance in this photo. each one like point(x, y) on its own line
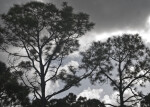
point(14, 54)
point(33, 87)
point(135, 78)
point(109, 78)
point(31, 59)
point(56, 70)
point(70, 85)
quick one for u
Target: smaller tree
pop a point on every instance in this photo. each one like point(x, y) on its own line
point(71, 101)
point(124, 60)
point(94, 103)
point(12, 93)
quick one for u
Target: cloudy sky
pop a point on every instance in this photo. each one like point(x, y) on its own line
point(112, 17)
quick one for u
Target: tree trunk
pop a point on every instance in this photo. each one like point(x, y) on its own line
point(121, 99)
point(121, 86)
point(43, 100)
point(43, 84)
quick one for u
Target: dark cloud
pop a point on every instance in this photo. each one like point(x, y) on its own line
point(114, 14)
point(6, 4)
point(108, 15)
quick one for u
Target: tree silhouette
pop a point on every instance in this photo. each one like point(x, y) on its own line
point(146, 101)
point(71, 101)
point(81, 101)
point(94, 103)
point(45, 36)
point(124, 60)
point(12, 93)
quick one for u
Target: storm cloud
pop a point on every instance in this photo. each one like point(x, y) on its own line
point(108, 15)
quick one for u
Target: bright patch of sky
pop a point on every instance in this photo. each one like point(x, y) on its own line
point(40, 0)
point(91, 93)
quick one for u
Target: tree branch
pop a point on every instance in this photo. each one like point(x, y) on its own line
point(135, 78)
point(31, 59)
point(56, 70)
point(109, 78)
point(70, 85)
